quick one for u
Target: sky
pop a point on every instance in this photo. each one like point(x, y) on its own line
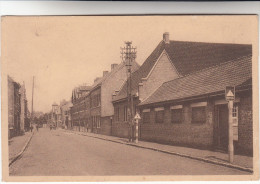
point(63, 52)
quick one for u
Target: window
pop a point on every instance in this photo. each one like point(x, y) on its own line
point(199, 115)
point(98, 121)
point(235, 122)
point(117, 111)
point(176, 115)
point(125, 113)
point(159, 114)
point(146, 117)
point(96, 100)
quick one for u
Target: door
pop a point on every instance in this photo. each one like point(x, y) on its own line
point(222, 127)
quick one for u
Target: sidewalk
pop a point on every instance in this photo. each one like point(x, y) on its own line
point(17, 144)
point(240, 162)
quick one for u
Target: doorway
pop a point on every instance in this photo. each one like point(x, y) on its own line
point(222, 126)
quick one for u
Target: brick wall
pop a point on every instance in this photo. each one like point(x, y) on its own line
point(245, 124)
point(105, 127)
point(10, 103)
point(112, 83)
point(120, 129)
point(185, 133)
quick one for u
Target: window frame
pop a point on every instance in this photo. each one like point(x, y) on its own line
point(157, 111)
point(192, 115)
point(173, 121)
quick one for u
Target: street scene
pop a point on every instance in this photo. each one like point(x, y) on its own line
point(116, 101)
point(76, 155)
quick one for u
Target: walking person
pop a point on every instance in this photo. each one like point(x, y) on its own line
point(31, 128)
point(37, 128)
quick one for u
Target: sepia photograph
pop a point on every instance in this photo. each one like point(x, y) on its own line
point(158, 97)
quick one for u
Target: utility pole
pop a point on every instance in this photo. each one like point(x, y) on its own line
point(32, 103)
point(128, 56)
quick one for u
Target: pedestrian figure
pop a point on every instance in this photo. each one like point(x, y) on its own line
point(37, 127)
point(31, 128)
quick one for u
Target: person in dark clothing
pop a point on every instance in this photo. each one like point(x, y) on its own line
point(37, 127)
point(31, 128)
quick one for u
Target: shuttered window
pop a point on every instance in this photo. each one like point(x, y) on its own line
point(199, 115)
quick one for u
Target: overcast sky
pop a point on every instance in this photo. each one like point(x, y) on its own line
point(64, 52)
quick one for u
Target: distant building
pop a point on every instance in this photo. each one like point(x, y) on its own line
point(93, 110)
point(78, 110)
point(55, 114)
point(65, 113)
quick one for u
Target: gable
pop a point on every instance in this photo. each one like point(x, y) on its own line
point(162, 71)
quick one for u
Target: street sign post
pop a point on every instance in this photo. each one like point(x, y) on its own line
point(230, 97)
point(136, 118)
point(230, 93)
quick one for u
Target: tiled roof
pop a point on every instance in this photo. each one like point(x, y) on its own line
point(118, 67)
point(188, 57)
point(206, 81)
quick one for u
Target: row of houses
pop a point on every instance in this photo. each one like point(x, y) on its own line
point(92, 105)
point(179, 91)
point(18, 113)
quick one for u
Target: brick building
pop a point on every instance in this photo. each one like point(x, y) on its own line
point(94, 110)
point(18, 113)
point(192, 110)
point(79, 111)
point(171, 60)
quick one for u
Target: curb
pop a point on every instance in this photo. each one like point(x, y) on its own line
point(177, 154)
point(13, 159)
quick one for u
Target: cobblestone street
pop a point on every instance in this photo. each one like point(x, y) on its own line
point(57, 152)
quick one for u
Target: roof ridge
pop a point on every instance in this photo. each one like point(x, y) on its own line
point(210, 42)
point(103, 78)
point(208, 68)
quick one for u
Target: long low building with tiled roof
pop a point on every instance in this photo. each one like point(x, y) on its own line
point(192, 110)
point(186, 57)
point(170, 60)
point(204, 82)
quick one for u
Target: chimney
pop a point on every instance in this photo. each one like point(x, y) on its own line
point(166, 37)
point(113, 66)
point(105, 73)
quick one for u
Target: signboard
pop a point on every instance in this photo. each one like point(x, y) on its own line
point(230, 93)
point(137, 116)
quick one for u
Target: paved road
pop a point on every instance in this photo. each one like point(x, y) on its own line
point(56, 152)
